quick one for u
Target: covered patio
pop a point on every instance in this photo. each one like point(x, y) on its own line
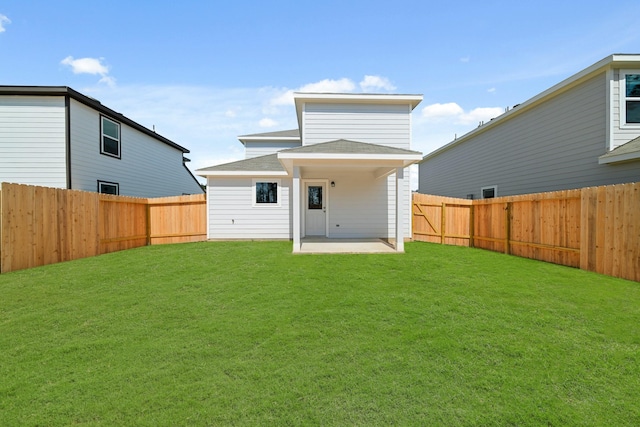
point(343, 199)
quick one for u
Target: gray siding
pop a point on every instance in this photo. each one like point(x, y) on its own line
point(32, 141)
point(231, 213)
point(264, 148)
point(147, 167)
point(388, 125)
point(553, 146)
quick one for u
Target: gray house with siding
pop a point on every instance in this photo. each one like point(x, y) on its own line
point(54, 136)
point(584, 131)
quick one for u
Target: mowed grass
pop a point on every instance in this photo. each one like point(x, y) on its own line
point(245, 333)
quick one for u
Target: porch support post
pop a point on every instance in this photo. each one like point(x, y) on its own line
point(296, 209)
point(400, 202)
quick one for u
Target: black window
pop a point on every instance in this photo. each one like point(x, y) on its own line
point(110, 137)
point(105, 187)
point(267, 192)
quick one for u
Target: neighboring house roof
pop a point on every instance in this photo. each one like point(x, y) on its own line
point(339, 150)
point(615, 60)
point(88, 101)
point(625, 152)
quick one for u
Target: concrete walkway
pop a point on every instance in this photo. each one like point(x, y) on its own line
point(323, 245)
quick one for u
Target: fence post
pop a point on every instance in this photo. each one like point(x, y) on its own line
point(148, 215)
point(471, 218)
point(507, 228)
point(442, 223)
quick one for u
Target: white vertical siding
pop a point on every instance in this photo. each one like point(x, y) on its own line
point(231, 213)
point(32, 140)
point(406, 199)
point(388, 125)
point(621, 133)
point(147, 167)
point(264, 148)
point(553, 146)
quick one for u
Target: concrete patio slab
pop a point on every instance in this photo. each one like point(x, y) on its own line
point(323, 245)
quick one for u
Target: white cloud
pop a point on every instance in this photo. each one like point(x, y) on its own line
point(3, 20)
point(465, 59)
point(480, 115)
point(491, 90)
point(323, 86)
point(453, 112)
point(267, 123)
point(373, 83)
point(92, 66)
point(442, 111)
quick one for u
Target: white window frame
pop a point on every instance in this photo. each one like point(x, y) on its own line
point(110, 184)
point(254, 182)
point(495, 191)
point(103, 135)
point(623, 100)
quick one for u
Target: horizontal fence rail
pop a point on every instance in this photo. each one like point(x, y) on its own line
point(40, 225)
point(594, 228)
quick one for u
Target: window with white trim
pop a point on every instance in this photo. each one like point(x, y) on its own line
point(106, 187)
point(110, 137)
point(489, 192)
point(266, 192)
point(630, 99)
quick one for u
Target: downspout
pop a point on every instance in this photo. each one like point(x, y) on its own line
point(67, 138)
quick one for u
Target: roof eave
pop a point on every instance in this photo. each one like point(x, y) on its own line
point(619, 158)
point(218, 173)
point(89, 102)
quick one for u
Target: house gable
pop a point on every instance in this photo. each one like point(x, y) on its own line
point(373, 118)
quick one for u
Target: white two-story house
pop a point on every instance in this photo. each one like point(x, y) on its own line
point(343, 173)
point(54, 136)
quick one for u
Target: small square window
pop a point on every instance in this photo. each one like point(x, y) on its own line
point(266, 193)
point(110, 137)
point(105, 187)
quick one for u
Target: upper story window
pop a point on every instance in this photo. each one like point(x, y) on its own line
point(110, 137)
point(631, 102)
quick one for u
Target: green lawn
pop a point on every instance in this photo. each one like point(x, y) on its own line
point(245, 333)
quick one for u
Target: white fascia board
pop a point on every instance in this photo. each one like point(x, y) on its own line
point(413, 99)
point(616, 60)
point(626, 157)
point(240, 173)
point(341, 156)
point(269, 138)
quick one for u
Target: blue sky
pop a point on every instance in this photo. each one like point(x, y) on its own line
point(204, 72)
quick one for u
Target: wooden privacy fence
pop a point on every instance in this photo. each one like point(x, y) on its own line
point(40, 226)
point(594, 228)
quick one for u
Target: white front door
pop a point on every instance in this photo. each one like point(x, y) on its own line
point(315, 210)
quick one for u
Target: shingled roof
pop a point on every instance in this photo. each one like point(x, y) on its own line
point(625, 152)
